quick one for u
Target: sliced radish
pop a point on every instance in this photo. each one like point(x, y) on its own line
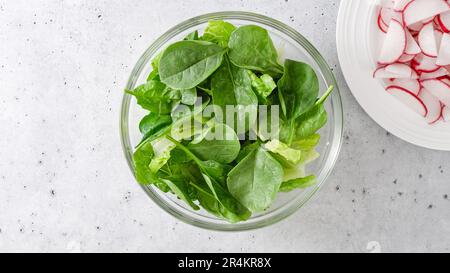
point(385, 72)
point(427, 40)
point(433, 105)
point(400, 69)
point(428, 20)
point(408, 84)
point(386, 15)
point(409, 99)
point(381, 25)
point(400, 5)
point(416, 27)
point(441, 72)
point(419, 10)
point(444, 51)
point(439, 89)
point(405, 58)
point(438, 35)
point(444, 21)
point(385, 3)
point(446, 113)
point(423, 63)
point(445, 80)
point(412, 47)
point(394, 44)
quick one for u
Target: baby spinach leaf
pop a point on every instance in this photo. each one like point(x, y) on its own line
point(220, 143)
point(231, 85)
point(298, 183)
point(181, 189)
point(214, 175)
point(251, 47)
point(314, 119)
point(185, 64)
point(297, 89)
point(310, 122)
point(156, 97)
point(218, 32)
point(256, 180)
point(247, 148)
point(263, 86)
point(230, 210)
point(152, 123)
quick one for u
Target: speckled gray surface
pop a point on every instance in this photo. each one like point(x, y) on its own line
point(64, 184)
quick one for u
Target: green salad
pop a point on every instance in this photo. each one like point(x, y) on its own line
point(211, 99)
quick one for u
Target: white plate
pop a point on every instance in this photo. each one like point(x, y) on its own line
point(358, 43)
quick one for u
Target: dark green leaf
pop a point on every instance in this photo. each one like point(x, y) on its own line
point(153, 123)
point(247, 149)
point(220, 143)
point(251, 47)
point(214, 175)
point(231, 86)
point(185, 64)
point(298, 89)
point(181, 189)
point(256, 180)
point(310, 122)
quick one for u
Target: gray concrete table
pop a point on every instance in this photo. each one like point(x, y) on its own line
point(64, 184)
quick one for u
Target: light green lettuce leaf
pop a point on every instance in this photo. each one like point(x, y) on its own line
point(293, 156)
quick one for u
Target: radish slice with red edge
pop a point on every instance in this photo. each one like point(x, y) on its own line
point(423, 63)
point(399, 69)
point(419, 10)
point(427, 40)
point(394, 43)
point(383, 73)
point(438, 35)
point(428, 20)
point(444, 51)
point(410, 100)
point(412, 48)
point(381, 25)
point(408, 84)
point(441, 72)
point(439, 89)
point(444, 21)
point(386, 15)
point(433, 105)
point(400, 5)
point(405, 58)
point(416, 27)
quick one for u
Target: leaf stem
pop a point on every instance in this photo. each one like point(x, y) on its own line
point(186, 150)
point(325, 96)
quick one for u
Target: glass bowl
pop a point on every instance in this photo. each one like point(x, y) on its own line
point(290, 44)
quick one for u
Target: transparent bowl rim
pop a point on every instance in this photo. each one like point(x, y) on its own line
point(336, 141)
